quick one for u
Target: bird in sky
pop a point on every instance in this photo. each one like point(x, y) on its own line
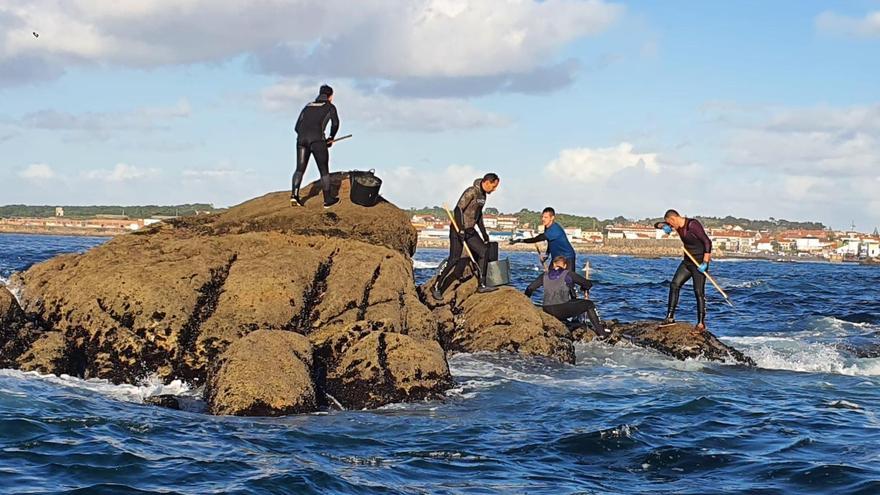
point(36, 35)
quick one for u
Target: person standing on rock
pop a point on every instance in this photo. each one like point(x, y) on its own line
point(558, 283)
point(468, 217)
point(554, 234)
point(698, 244)
point(310, 140)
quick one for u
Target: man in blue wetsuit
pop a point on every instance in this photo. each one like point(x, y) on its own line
point(554, 234)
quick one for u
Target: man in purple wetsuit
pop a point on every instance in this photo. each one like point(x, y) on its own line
point(698, 244)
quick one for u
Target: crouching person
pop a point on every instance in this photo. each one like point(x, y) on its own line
point(559, 300)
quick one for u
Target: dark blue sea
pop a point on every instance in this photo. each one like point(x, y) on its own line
point(623, 420)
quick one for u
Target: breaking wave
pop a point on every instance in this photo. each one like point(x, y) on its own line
point(425, 265)
point(150, 387)
point(795, 354)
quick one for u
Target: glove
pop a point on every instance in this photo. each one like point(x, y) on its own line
point(667, 228)
point(515, 241)
point(703, 267)
point(329, 142)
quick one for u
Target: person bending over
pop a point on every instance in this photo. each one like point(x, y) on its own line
point(468, 217)
point(310, 140)
point(554, 234)
point(558, 282)
point(698, 244)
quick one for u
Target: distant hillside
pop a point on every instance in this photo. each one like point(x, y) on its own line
point(91, 211)
point(533, 218)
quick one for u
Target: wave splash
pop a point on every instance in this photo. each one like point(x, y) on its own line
point(149, 387)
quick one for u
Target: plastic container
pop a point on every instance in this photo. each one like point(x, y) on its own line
point(498, 273)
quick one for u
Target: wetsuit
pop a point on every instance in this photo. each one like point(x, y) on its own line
point(557, 244)
point(558, 300)
point(697, 243)
point(468, 216)
point(310, 140)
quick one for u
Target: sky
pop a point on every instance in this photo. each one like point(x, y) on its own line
point(749, 108)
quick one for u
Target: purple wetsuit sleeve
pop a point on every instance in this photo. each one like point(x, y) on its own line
point(700, 233)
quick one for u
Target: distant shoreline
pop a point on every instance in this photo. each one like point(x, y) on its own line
point(62, 231)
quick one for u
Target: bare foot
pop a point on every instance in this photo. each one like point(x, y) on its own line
point(700, 327)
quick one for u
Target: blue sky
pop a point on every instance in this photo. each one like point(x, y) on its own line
point(747, 108)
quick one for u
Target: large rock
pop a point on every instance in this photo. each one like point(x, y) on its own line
point(681, 341)
point(368, 366)
point(501, 321)
point(171, 300)
point(266, 373)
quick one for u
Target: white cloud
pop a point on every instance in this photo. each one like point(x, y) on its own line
point(863, 27)
point(386, 39)
point(380, 111)
point(410, 187)
point(104, 123)
point(809, 141)
point(220, 173)
point(591, 165)
point(122, 172)
point(37, 172)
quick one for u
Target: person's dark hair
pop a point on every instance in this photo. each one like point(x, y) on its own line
point(670, 213)
point(491, 177)
point(549, 210)
point(325, 90)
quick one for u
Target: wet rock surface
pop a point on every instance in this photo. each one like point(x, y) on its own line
point(504, 320)
point(681, 341)
point(265, 373)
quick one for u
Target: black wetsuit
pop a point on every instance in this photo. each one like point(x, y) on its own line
point(697, 243)
point(310, 140)
point(560, 303)
point(468, 216)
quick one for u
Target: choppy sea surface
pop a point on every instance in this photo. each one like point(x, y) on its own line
point(622, 420)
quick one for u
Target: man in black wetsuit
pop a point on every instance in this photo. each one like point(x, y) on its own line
point(310, 140)
point(558, 283)
point(468, 216)
point(697, 243)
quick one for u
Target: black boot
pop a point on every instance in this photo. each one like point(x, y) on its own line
point(329, 199)
point(294, 189)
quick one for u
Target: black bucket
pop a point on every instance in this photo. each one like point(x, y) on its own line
point(364, 188)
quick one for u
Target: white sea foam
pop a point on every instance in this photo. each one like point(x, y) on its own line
point(794, 354)
point(14, 290)
point(425, 265)
point(130, 393)
point(748, 284)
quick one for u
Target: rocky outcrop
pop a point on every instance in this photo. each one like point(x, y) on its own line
point(501, 321)
point(681, 341)
point(182, 300)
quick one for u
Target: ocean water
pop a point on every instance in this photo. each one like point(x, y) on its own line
point(622, 420)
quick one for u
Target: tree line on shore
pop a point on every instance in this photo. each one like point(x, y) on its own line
point(146, 211)
point(533, 218)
